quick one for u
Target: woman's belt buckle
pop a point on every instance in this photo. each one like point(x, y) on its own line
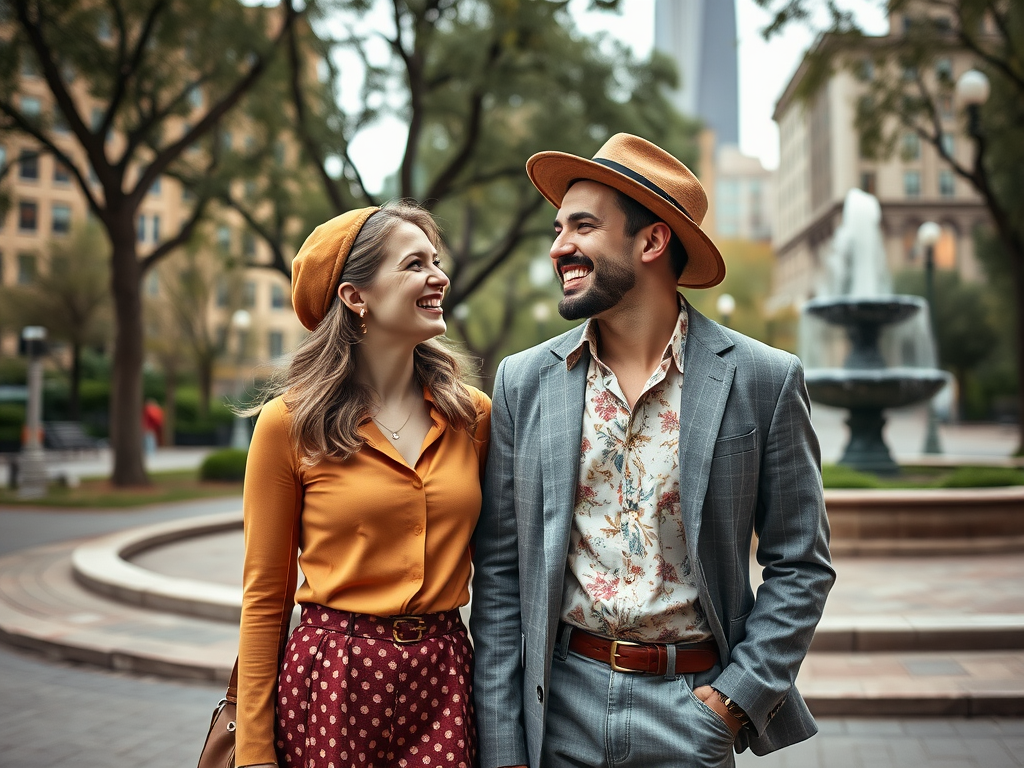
point(402, 624)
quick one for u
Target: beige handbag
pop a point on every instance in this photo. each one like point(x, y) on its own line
point(219, 749)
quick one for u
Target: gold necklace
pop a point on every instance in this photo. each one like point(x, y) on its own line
point(394, 432)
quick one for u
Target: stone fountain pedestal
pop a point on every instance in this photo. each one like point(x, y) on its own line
point(865, 386)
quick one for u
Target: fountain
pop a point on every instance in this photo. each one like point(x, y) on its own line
point(858, 299)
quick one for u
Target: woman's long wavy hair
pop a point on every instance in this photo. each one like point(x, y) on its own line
point(326, 401)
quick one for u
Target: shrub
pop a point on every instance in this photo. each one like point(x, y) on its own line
point(983, 477)
point(224, 465)
point(838, 476)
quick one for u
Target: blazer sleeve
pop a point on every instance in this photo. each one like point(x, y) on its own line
point(272, 501)
point(792, 549)
point(495, 620)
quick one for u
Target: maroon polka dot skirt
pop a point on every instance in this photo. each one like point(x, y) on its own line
point(372, 691)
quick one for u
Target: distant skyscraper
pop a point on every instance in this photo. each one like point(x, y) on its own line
point(701, 36)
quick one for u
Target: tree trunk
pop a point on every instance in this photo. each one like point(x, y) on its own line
point(126, 392)
point(74, 396)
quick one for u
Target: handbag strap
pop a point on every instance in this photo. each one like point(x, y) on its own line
point(232, 692)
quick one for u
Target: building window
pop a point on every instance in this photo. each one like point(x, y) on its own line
point(26, 268)
point(61, 174)
point(948, 143)
point(910, 72)
point(249, 294)
point(28, 216)
point(947, 183)
point(248, 246)
point(31, 107)
point(275, 343)
point(278, 297)
point(224, 238)
point(225, 140)
point(153, 283)
point(156, 228)
point(866, 70)
point(141, 235)
point(154, 188)
point(911, 149)
point(28, 164)
point(60, 125)
point(61, 223)
point(195, 97)
point(946, 107)
point(223, 295)
point(869, 182)
point(912, 183)
point(944, 70)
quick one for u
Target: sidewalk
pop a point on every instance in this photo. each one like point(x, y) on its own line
point(935, 636)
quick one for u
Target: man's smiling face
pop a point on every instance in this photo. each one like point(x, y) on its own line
point(592, 255)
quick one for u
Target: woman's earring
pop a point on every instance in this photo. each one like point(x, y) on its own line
point(362, 314)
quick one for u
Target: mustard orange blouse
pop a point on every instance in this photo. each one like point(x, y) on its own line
point(372, 534)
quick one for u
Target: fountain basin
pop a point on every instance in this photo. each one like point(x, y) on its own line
point(878, 388)
point(879, 311)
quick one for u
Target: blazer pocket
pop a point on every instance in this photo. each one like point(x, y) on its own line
point(727, 446)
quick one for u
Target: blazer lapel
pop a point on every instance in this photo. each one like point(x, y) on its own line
point(707, 379)
point(562, 394)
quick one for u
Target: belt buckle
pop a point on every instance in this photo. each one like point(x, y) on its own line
point(615, 652)
point(416, 624)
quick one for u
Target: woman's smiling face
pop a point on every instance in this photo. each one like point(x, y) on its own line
point(404, 300)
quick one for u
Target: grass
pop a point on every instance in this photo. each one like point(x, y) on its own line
point(93, 493)
point(837, 476)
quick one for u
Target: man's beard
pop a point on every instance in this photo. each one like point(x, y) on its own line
point(608, 285)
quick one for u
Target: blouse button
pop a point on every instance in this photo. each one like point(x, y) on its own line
point(417, 483)
point(418, 530)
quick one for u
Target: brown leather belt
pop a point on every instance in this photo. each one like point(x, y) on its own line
point(649, 658)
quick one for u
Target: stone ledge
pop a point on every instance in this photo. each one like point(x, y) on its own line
point(926, 521)
point(102, 566)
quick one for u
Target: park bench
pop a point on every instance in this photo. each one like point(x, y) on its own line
point(68, 436)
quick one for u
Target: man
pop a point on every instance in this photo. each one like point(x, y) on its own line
point(631, 461)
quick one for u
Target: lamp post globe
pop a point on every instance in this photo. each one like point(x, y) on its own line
point(726, 305)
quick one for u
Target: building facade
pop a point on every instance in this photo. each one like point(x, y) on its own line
point(45, 203)
point(820, 160)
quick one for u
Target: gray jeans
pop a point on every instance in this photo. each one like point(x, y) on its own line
point(598, 717)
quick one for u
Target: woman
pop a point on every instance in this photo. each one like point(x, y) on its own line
point(369, 466)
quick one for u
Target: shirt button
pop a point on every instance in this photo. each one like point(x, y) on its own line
point(417, 483)
point(418, 530)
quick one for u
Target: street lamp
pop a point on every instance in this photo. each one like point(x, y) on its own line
point(928, 235)
point(32, 462)
point(241, 321)
point(972, 91)
point(725, 305)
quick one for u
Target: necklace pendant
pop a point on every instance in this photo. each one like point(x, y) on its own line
point(394, 435)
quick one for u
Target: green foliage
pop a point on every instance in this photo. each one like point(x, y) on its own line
point(189, 413)
point(983, 477)
point(749, 272)
point(12, 419)
point(963, 320)
point(224, 465)
point(839, 476)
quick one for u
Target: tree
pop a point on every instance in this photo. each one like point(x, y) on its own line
point(480, 86)
point(70, 298)
point(961, 321)
point(900, 98)
point(124, 80)
point(180, 317)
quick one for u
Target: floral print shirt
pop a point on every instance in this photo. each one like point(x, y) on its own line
point(629, 575)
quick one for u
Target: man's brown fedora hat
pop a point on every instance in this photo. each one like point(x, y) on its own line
point(652, 177)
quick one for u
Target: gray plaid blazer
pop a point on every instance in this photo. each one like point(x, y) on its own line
point(749, 464)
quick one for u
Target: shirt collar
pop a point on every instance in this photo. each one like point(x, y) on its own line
point(675, 348)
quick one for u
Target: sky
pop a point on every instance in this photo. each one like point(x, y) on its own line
point(764, 70)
